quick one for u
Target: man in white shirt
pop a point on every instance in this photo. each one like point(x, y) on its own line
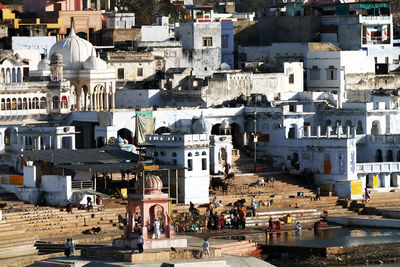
point(156, 226)
point(206, 248)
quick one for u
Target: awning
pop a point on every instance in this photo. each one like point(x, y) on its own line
point(108, 154)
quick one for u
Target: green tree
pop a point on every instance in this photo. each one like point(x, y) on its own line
point(147, 10)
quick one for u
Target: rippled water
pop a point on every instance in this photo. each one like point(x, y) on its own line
point(333, 237)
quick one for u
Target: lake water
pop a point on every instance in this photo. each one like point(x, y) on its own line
point(331, 237)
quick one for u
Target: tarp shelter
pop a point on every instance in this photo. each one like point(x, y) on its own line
point(144, 125)
point(108, 154)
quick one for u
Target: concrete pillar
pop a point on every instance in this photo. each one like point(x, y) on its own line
point(72, 142)
point(38, 143)
point(348, 131)
point(328, 131)
point(50, 146)
point(108, 5)
point(308, 131)
point(112, 101)
point(98, 5)
point(59, 142)
point(101, 101)
point(318, 131)
point(88, 4)
point(339, 131)
point(107, 102)
point(384, 179)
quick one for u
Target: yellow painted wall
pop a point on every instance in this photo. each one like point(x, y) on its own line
point(356, 188)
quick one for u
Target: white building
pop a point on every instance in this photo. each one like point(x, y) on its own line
point(201, 44)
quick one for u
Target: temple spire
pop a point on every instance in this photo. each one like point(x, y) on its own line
point(72, 31)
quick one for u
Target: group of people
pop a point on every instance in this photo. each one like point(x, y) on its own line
point(88, 206)
point(69, 248)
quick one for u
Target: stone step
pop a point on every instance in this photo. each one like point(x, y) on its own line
point(15, 251)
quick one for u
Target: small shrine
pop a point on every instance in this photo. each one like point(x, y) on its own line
point(143, 203)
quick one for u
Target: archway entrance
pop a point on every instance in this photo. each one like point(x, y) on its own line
point(162, 130)
point(126, 134)
point(236, 136)
point(215, 129)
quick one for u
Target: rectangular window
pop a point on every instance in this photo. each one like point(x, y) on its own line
point(121, 74)
point(331, 73)
point(204, 164)
point(314, 73)
point(207, 41)
point(291, 78)
point(224, 41)
point(174, 162)
point(140, 72)
point(190, 164)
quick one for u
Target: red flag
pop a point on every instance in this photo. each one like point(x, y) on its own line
point(1, 6)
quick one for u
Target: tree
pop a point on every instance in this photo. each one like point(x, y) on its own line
point(147, 10)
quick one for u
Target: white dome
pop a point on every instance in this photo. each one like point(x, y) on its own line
point(225, 66)
point(44, 64)
point(74, 50)
point(202, 126)
point(95, 63)
point(153, 184)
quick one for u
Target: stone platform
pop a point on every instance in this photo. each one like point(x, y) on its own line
point(128, 255)
point(131, 243)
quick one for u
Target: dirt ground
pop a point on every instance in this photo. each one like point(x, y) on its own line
point(363, 255)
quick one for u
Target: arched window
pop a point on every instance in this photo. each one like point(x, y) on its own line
point(375, 129)
point(29, 103)
point(64, 102)
point(24, 104)
point(35, 103)
point(174, 154)
point(19, 75)
point(204, 153)
point(19, 106)
point(8, 104)
point(14, 75)
point(155, 154)
point(359, 129)
point(378, 156)
point(189, 154)
point(197, 154)
point(3, 104)
point(43, 103)
point(389, 155)
point(14, 104)
point(55, 102)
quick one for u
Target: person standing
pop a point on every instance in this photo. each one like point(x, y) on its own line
point(206, 248)
point(298, 226)
point(318, 193)
point(156, 226)
point(72, 247)
point(140, 243)
point(270, 224)
point(367, 195)
point(67, 250)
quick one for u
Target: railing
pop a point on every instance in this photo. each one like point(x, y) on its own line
point(81, 184)
point(377, 167)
